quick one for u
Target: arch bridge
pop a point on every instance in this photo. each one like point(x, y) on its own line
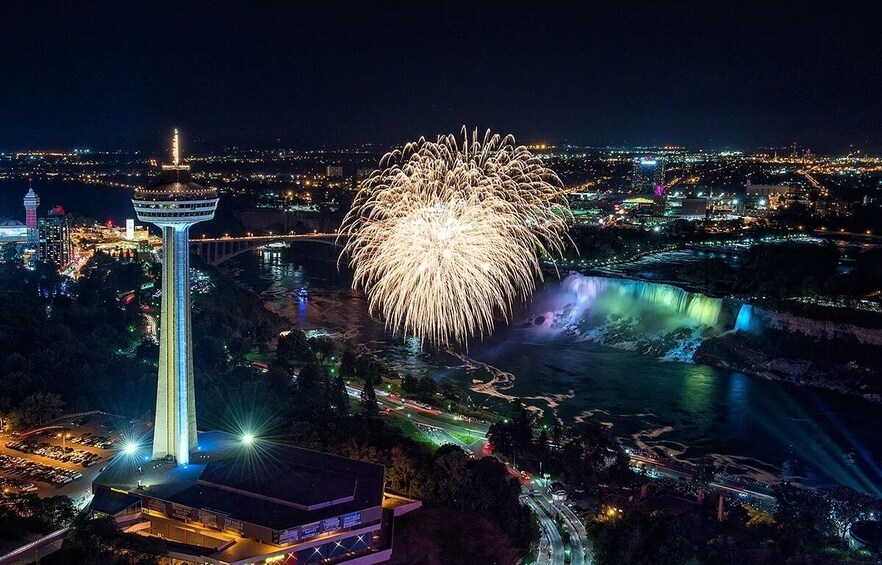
point(216, 250)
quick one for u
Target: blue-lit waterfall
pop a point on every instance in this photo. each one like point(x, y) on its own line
point(742, 322)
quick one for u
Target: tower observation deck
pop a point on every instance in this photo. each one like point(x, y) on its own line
point(174, 203)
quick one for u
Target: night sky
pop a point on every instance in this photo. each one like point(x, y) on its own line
point(704, 75)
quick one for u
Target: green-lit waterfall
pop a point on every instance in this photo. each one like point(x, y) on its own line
point(697, 308)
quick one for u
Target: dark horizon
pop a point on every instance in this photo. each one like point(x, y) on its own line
point(309, 75)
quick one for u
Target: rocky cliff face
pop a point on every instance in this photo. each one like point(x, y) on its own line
point(818, 328)
point(841, 363)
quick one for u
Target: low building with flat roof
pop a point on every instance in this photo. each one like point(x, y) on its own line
point(241, 502)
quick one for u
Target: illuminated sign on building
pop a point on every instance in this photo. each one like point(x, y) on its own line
point(180, 512)
point(234, 526)
point(331, 524)
point(310, 530)
point(288, 536)
point(208, 518)
point(351, 519)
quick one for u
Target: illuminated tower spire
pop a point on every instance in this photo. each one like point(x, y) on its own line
point(176, 149)
point(174, 204)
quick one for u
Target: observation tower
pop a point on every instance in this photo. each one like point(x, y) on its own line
point(31, 203)
point(174, 203)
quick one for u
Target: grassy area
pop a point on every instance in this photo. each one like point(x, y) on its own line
point(263, 357)
point(467, 439)
point(411, 431)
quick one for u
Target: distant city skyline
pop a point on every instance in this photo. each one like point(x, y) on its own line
point(300, 75)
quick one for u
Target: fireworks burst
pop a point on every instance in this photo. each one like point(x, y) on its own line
point(449, 234)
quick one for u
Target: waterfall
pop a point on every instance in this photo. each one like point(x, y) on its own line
point(700, 309)
point(742, 322)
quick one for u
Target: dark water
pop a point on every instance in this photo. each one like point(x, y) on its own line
point(756, 428)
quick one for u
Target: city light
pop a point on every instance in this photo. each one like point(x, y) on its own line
point(130, 448)
point(247, 438)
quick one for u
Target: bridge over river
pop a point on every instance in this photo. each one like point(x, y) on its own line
point(219, 249)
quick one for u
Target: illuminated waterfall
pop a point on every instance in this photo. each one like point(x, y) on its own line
point(698, 308)
point(742, 322)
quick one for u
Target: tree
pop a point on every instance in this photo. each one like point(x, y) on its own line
point(312, 391)
point(239, 347)
point(293, 347)
point(369, 399)
point(338, 396)
point(93, 541)
point(58, 511)
point(803, 514)
point(100, 541)
point(39, 408)
point(348, 362)
point(705, 470)
point(848, 506)
point(641, 538)
point(434, 536)
point(324, 347)
point(450, 472)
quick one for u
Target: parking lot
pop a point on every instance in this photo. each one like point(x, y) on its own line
point(59, 459)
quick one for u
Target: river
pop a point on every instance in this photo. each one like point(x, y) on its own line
point(754, 427)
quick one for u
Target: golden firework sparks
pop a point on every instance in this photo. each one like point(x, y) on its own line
point(449, 234)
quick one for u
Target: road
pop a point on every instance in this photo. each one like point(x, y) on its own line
point(581, 547)
point(549, 533)
point(441, 427)
point(543, 553)
point(761, 499)
point(579, 543)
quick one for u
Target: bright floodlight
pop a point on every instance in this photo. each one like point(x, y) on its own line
point(247, 439)
point(130, 448)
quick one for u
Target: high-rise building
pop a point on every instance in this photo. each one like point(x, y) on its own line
point(54, 238)
point(334, 171)
point(31, 203)
point(130, 229)
point(174, 203)
point(648, 176)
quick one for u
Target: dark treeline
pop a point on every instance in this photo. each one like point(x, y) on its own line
point(67, 346)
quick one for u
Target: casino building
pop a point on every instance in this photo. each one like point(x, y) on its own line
point(258, 502)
